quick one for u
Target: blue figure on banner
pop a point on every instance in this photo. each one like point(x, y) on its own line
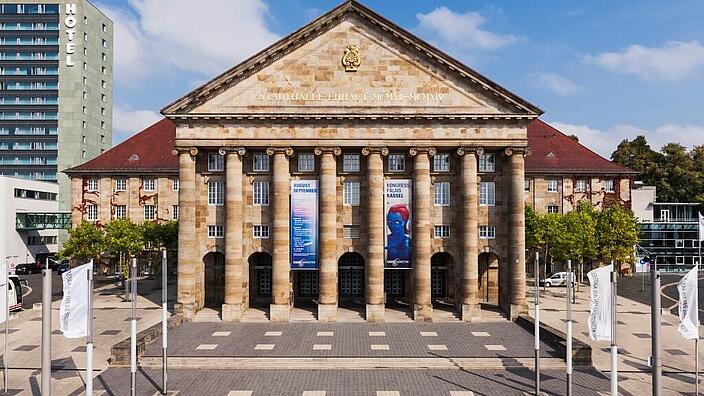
point(398, 243)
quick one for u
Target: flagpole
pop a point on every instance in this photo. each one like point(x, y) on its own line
point(164, 314)
point(89, 334)
point(696, 365)
point(568, 355)
point(7, 320)
point(537, 323)
point(133, 328)
point(46, 330)
point(655, 313)
point(614, 347)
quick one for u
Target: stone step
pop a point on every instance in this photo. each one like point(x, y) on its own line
point(330, 363)
point(207, 315)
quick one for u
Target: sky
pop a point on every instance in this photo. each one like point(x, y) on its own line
point(602, 70)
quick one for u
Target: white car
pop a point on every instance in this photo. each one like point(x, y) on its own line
point(557, 279)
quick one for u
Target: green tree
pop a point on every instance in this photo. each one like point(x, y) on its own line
point(85, 242)
point(534, 230)
point(160, 235)
point(124, 239)
point(617, 232)
point(579, 243)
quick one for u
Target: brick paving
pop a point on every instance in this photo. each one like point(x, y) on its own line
point(352, 382)
point(491, 340)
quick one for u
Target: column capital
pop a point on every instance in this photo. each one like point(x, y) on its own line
point(524, 151)
point(288, 151)
point(376, 150)
point(327, 149)
point(422, 150)
point(232, 150)
point(470, 150)
point(183, 150)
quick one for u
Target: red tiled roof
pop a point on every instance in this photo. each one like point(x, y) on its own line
point(147, 151)
point(554, 152)
point(150, 151)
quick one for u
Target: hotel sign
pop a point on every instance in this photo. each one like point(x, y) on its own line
point(70, 23)
point(333, 96)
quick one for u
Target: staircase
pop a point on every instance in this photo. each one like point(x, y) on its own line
point(207, 315)
point(256, 315)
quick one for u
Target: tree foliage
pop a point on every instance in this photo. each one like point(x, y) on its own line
point(86, 241)
point(161, 235)
point(618, 231)
point(124, 237)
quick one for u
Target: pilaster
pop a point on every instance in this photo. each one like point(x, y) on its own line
point(232, 309)
point(327, 308)
point(422, 302)
point(517, 244)
point(186, 299)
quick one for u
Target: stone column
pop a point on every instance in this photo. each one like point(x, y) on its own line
point(421, 252)
point(327, 309)
point(517, 233)
point(186, 300)
point(375, 233)
point(280, 305)
point(231, 310)
point(469, 281)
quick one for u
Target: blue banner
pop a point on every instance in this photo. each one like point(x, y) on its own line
point(397, 205)
point(304, 224)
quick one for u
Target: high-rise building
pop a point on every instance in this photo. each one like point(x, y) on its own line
point(55, 88)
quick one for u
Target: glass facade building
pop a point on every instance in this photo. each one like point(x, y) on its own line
point(55, 88)
point(673, 236)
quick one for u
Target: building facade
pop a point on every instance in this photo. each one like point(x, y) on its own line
point(55, 88)
point(22, 241)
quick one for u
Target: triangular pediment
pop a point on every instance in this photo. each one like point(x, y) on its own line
point(306, 73)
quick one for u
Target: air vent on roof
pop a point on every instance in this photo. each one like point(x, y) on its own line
point(134, 157)
point(551, 155)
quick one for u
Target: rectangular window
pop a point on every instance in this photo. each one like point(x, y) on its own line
point(120, 211)
point(552, 185)
point(581, 186)
point(351, 162)
point(442, 194)
point(260, 231)
point(487, 232)
point(397, 162)
point(120, 184)
point(441, 162)
point(350, 231)
point(91, 212)
point(350, 193)
point(306, 162)
point(260, 162)
point(216, 193)
point(174, 212)
point(149, 212)
point(174, 184)
point(216, 231)
point(216, 162)
point(609, 186)
point(679, 243)
point(679, 260)
point(487, 193)
point(487, 163)
point(260, 193)
point(150, 185)
point(553, 209)
point(441, 231)
point(41, 240)
point(526, 185)
point(92, 185)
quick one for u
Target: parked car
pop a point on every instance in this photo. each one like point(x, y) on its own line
point(557, 279)
point(28, 268)
point(15, 292)
point(63, 267)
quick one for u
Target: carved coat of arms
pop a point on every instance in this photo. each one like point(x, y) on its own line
point(351, 59)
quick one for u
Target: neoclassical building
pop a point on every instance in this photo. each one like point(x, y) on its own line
point(348, 164)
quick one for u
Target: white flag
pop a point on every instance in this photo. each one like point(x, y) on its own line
point(599, 320)
point(701, 227)
point(3, 293)
point(73, 313)
point(689, 306)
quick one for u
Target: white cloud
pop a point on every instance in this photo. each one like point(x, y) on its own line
point(461, 30)
point(556, 83)
point(156, 36)
point(605, 142)
point(128, 122)
point(673, 61)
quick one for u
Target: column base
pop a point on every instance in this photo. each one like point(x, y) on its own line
point(422, 312)
point(327, 312)
point(374, 313)
point(470, 312)
point(515, 310)
point(188, 311)
point(279, 312)
point(231, 312)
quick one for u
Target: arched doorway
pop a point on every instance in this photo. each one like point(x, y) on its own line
point(260, 279)
point(489, 278)
point(351, 277)
point(214, 263)
point(440, 264)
